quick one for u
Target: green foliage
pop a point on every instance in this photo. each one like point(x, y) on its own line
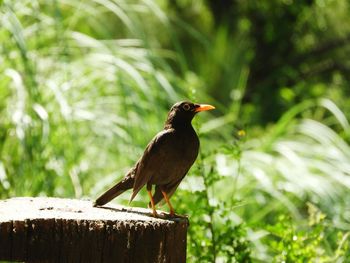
point(214, 235)
point(84, 85)
point(65, 89)
point(306, 243)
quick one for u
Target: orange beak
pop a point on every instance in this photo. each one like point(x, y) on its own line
point(204, 107)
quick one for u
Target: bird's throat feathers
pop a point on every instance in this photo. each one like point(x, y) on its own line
point(177, 120)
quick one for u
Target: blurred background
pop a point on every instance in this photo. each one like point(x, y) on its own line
point(85, 85)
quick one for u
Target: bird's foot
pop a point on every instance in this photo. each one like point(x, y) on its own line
point(164, 215)
point(178, 215)
point(182, 216)
point(155, 214)
point(172, 214)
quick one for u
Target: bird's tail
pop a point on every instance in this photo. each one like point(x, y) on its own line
point(119, 188)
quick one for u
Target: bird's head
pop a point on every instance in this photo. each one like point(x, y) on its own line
point(182, 113)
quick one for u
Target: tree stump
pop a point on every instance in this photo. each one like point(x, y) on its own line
point(67, 230)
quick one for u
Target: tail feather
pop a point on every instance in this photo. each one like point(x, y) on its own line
point(119, 188)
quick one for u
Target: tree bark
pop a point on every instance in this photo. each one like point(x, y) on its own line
point(67, 230)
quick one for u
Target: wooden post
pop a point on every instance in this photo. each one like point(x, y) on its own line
point(67, 230)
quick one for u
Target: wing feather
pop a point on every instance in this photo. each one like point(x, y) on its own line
point(149, 161)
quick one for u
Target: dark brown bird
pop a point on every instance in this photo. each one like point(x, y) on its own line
point(166, 160)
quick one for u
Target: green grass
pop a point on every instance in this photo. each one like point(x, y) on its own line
point(267, 189)
point(85, 86)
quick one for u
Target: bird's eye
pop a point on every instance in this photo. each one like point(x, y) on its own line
point(186, 107)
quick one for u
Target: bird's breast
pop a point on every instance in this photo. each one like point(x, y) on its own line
point(181, 153)
point(186, 145)
point(189, 146)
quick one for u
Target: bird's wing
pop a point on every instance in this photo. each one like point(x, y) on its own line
point(151, 158)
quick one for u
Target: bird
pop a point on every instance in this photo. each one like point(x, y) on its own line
point(166, 159)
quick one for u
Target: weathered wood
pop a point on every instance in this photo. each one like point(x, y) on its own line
point(67, 230)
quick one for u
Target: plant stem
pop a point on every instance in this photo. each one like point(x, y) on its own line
point(210, 210)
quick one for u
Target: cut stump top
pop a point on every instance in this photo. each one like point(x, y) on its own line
point(21, 208)
point(68, 230)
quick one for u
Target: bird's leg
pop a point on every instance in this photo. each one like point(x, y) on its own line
point(149, 191)
point(172, 211)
